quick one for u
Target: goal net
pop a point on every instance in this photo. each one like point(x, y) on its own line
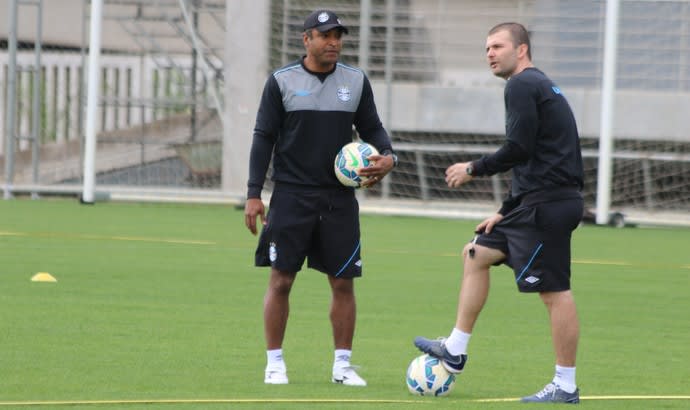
point(161, 134)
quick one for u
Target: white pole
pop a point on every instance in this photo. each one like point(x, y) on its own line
point(608, 106)
point(364, 34)
point(11, 113)
point(92, 101)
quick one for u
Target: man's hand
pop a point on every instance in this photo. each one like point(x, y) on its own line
point(488, 224)
point(380, 166)
point(457, 175)
point(252, 208)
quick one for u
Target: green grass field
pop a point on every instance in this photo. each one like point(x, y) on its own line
point(160, 307)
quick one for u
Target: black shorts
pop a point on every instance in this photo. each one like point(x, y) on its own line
point(322, 226)
point(535, 237)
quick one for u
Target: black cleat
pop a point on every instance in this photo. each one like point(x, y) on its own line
point(437, 348)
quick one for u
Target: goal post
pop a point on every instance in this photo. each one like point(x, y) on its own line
point(608, 109)
point(92, 101)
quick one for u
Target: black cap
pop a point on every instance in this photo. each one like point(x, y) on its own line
point(323, 20)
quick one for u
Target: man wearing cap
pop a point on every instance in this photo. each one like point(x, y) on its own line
point(306, 114)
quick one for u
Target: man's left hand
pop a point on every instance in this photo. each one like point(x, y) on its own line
point(379, 167)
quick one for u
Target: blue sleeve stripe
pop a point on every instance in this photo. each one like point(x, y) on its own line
point(288, 68)
point(349, 67)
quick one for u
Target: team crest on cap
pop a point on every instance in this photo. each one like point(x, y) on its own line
point(344, 94)
point(323, 17)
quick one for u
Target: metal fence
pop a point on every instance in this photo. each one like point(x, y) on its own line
point(426, 62)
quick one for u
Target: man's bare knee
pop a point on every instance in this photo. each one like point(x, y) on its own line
point(466, 250)
point(481, 256)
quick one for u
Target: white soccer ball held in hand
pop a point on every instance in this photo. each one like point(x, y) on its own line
point(350, 159)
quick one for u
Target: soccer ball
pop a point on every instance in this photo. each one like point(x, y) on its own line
point(351, 157)
point(426, 376)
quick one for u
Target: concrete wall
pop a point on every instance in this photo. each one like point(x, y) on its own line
point(479, 109)
point(62, 21)
point(65, 21)
point(245, 75)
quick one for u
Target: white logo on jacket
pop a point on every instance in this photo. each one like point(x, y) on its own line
point(344, 94)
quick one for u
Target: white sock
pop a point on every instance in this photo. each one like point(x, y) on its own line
point(565, 378)
point(274, 359)
point(342, 358)
point(457, 342)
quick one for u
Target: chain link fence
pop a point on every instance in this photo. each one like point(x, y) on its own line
point(159, 124)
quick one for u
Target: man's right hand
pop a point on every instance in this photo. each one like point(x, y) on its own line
point(253, 208)
point(488, 224)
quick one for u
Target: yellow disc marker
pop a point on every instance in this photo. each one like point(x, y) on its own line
point(43, 277)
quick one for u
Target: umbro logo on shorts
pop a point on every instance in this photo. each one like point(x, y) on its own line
point(532, 279)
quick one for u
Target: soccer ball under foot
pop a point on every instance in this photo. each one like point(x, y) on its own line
point(426, 376)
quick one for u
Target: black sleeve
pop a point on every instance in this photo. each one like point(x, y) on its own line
point(268, 122)
point(368, 123)
point(522, 114)
point(509, 155)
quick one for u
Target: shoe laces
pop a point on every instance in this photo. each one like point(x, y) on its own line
point(549, 389)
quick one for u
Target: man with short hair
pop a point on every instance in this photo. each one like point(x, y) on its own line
point(531, 232)
point(306, 115)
